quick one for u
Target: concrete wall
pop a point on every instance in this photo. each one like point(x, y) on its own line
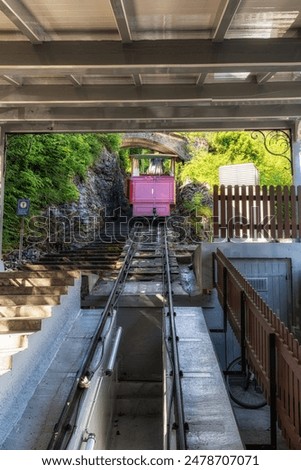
point(141, 347)
point(30, 365)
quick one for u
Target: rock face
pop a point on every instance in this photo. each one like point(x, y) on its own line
point(104, 188)
point(194, 212)
point(186, 195)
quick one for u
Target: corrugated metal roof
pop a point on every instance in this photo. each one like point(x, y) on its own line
point(226, 56)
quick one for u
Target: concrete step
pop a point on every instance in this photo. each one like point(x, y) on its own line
point(84, 254)
point(33, 271)
point(67, 267)
point(61, 281)
point(79, 264)
point(5, 364)
point(19, 326)
point(13, 300)
point(12, 344)
point(14, 312)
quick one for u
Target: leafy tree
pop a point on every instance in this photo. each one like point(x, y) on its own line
point(209, 151)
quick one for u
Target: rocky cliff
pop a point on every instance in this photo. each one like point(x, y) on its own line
point(101, 197)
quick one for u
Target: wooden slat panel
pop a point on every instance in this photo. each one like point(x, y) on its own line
point(216, 203)
point(279, 218)
point(244, 212)
point(265, 213)
point(258, 212)
point(287, 213)
point(229, 212)
point(272, 213)
point(296, 402)
point(294, 212)
point(223, 212)
point(260, 320)
point(237, 212)
point(251, 211)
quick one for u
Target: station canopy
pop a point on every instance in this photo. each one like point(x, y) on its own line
point(117, 65)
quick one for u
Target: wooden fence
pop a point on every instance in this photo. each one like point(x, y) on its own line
point(254, 323)
point(255, 212)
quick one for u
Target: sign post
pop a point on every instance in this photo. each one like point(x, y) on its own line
point(22, 211)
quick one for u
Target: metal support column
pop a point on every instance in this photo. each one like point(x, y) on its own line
point(296, 154)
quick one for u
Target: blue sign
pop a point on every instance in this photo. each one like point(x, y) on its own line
point(23, 206)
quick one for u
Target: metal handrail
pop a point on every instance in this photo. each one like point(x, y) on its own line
point(177, 391)
point(85, 374)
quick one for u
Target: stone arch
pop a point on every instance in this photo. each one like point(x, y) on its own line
point(157, 141)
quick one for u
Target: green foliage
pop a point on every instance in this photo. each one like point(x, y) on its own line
point(197, 207)
point(200, 217)
point(124, 159)
point(226, 148)
point(111, 142)
point(43, 168)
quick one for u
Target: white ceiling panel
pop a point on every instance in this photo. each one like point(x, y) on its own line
point(127, 54)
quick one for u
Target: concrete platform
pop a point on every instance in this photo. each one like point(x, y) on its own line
point(134, 294)
point(35, 426)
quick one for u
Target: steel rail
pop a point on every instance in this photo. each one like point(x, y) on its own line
point(63, 427)
point(178, 393)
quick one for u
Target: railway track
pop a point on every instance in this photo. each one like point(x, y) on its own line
point(146, 256)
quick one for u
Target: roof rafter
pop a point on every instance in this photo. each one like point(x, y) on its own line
point(201, 79)
point(24, 20)
point(264, 77)
point(119, 11)
point(16, 81)
point(75, 80)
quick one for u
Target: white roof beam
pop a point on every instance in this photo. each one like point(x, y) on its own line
point(152, 95)
point(156, 113)
point(224, 18)
point(125, 126)
point(118, 8)
point(24, 20)
point(187, 56)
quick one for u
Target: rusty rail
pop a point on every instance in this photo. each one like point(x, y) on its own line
point(257, 212)
point(260, 324)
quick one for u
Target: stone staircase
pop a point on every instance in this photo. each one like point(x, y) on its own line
point(26, 298)
point(99, 258)
point(29, 295)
